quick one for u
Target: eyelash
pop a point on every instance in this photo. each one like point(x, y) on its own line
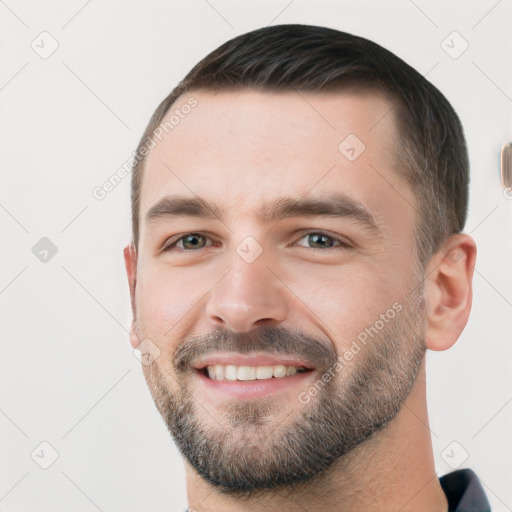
point(342, 244)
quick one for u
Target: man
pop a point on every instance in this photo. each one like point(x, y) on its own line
point(298, 201)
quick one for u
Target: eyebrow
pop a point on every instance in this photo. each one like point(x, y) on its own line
point(337, 205)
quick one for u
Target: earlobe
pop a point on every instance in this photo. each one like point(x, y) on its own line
point(134, 339)
point(130, 261)
point(448, 291)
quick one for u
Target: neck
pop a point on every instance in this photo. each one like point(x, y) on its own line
point(394, 470)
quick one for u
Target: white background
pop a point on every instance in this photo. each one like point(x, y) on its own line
point(68, 374)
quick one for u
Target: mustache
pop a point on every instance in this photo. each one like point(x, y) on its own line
point(267, 340)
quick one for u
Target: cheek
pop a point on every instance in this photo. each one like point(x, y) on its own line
point(346, 301)
point(163, 301)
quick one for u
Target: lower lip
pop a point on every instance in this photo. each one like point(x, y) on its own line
point(254, 388)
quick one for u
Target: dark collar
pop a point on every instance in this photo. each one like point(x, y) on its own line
point(464, 492)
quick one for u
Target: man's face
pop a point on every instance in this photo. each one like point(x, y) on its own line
point(331, 301)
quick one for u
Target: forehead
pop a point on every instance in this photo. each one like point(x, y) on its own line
point(244, 148)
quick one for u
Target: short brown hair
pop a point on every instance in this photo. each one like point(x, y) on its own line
point(430, 146)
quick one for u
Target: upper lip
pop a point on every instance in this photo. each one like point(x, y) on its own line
point(227, 358)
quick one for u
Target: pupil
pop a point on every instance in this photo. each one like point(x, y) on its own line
point(315, 238)
point(191, 237)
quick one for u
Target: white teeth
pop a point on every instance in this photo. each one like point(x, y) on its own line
point(264, 372)
point(246, 373)
point(232, 372)
point(219, 372)
point(279, 371)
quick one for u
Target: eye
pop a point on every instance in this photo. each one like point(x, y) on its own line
point(189, 242)
point(195, 241)
point(324, 241)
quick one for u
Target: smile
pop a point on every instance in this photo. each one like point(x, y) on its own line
point(245, 373)
point(245, 376)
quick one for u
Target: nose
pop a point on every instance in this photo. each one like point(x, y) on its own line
point(250, 295)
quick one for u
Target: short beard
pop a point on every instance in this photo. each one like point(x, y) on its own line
point(248, 454)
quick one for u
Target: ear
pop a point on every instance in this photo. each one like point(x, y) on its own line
point(449, 291)
point(130, 262)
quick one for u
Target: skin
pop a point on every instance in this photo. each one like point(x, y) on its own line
point(216, 153)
